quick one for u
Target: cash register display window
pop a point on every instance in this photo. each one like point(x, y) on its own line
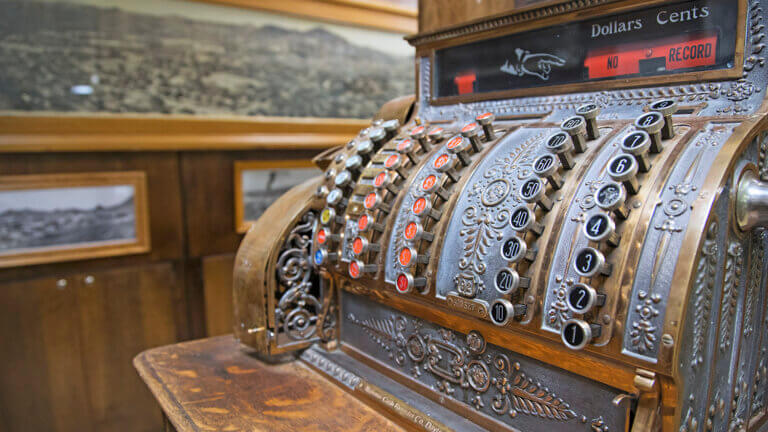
point(668, 39)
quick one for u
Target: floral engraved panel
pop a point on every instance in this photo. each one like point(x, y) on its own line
point(489, 197)
point(491, 383)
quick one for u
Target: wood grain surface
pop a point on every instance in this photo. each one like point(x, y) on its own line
point(216, 384)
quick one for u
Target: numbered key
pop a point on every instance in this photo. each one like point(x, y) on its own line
point(577, 334)
point(502, 310)
point(590, 112)
point(560, 145)
point(508, 281)
point(589, 262)
point(576, 128)
point(600, 228)
point(612, 197)
point(515, 250)
point(667, 108)
point(582, 298)
point(638, 144)
point(547, 166)
point(623, 168)
point(405, 283)
point(533, 191)
point(523, 220)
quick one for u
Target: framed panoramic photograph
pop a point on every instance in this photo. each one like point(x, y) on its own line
point(65, 217)
point(259, 183)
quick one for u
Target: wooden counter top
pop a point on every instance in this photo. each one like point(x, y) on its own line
point(216, 384)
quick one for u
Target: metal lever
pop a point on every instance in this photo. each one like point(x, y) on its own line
point(752, 202)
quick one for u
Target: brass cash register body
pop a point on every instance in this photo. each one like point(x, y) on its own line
point(563, 232)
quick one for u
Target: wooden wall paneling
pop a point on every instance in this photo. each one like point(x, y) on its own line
point(208, 189)
point(42, 384)
point(217, 289)
point(440, 14)
point(165, 205)
point(122, 313)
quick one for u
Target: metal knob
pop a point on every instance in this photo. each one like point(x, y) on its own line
point(589, 262)
point(343, 179)
point(667, 108)
point(590, 112)
point(652, 123)
point(638, 144)
point(361, 245)
point(391, 127)
point(612, 197)
point(576, 333)
point(357, 268)
point(405, 283)
point(419, 133)
point(508, 281)
point(623, 168)
point(751, 202)
point(322, 257)
point(407, 147)
point(383, 180)
point(559, 145)
point(423, 207)
point(547, 166)
point(515, 250)
point(502, 310)
point(600, 228)
point(459, 146)
point(395, 163)
point(409, 256)
point(533, 191)
point(366, 223)
point(328, 216)
point(436, 134)
point(414, 232)
point(374, 201)
point(471, 131)
point(354, 164)
point(576, 128)
point(523, 220)
point(365, 148)
point(325, 237)
point(431, 184)
point(445, 164)
point(582, 298)
point(486, 121)
point(336, 198)
point(378, 136)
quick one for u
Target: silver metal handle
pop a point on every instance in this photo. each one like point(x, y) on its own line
point(752, 202)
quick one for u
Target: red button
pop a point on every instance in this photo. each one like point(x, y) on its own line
point(419, 206)
point(371, 200)
point(429, 183)
point(402, 283)
point(454, 142)
point(410, 231)
point(436, 131)
point(321, 236)
point(380, 179)
point(484, 116)
point(469, 127)
point(391, 161)
point(362, 222)
point(441, 161)
point(417, 130)
point(404, 144)
point(354, 270)
point(405, 257)
point(357, 246)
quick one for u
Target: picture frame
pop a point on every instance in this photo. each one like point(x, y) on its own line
point(48, 218)
point(263, 188)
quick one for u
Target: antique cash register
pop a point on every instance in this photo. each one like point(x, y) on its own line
point(565, 231)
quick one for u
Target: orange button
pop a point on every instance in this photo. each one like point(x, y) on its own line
point(469, 127)
point(404, 258)
point(370, 200)
point(404, 144)
point(429, 182)
point(391, 161)
point(357, 246)
point(417, 130)
point(483, 116)
point(321, 236)
point(410, 231)
point(441, 160)
point(354, 269)
point(362, 222)
point(380, 179)
point(419, 206)
point(454, 142)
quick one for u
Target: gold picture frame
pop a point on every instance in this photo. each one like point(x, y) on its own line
point(299, 168)
point(47, 218)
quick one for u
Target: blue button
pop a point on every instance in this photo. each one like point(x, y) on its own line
point(318, 257)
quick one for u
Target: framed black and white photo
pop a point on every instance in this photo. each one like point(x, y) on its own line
point(259, 183)
point(65, 217)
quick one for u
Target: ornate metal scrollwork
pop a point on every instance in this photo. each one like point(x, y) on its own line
point(298, 309)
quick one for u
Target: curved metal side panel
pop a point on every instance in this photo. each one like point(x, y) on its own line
point(255, 280)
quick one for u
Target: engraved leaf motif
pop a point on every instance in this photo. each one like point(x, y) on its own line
point(704, 283)
point(530, 398)
point(733, 268)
